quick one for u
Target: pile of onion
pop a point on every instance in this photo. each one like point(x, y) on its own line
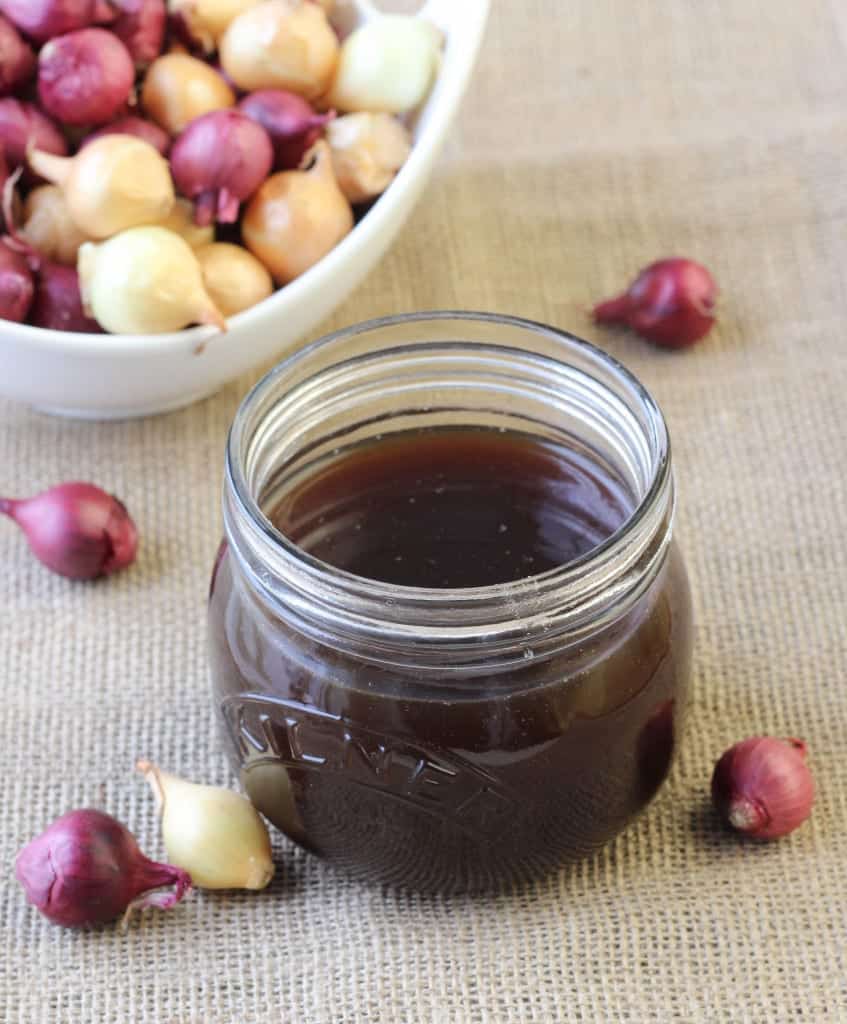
point(129, 119)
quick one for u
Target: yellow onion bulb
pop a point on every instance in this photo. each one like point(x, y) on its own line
point(297, 217)
point(281, 44)
point(233, 277)
point(179, 88)
point(367, 152)
point(49, 227)
point(114, 183)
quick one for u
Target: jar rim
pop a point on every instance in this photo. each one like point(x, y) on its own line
point(656, 503)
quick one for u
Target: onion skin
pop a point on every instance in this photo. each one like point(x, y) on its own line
point(57, 304)
point(203, 22)
point(49, 228)
point(234, 278)
point(386, 66)
point(671, 303)
point(43, 19)
point(23, 125)
point(219, 161)
point(291, 123)
point(87, 869)
point(367, 152)
point(762, 786)
point(140, 127)
point(216, 834)
point(179, 88)
point(140, 25)
point(114, 183)
point(85, 77)
point(17, 61)
point(76, 530)
point(281, 45)
point(16, 285)
point(297, 217)
point(145, 281)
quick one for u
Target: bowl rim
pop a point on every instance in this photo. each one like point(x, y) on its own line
point(438, 108)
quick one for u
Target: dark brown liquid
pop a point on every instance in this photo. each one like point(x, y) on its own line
point(454, 509)
point(452, 784)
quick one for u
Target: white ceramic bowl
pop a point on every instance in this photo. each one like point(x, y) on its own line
point(108, 376)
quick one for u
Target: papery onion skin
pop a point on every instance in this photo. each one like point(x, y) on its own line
point(367, 152)
point(293, 126)
point(85, 77)
point(297, 217)
point(114, 183)
point(215, 834)
point(671, 303)
point(76, 529)
point(179, 88)
point(219, 161)
point(762, 786)
point(281, 45)
point(87, 869)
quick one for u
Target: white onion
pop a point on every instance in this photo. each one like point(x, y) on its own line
point(386, 65)
point(145, 281)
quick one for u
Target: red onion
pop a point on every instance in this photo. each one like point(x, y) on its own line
point(137, 126)
point(17, 61)
point(86, 868)
point(219, 160)
point(289, 121)
point(57, 300)
point(16, 285)
point(181, 36)
point(85, 77)
point(76, 529)
point(43, 19)
point(763, 787)
point(57, 304)
point(22, 124)
point(671, 303)
point(140, 25)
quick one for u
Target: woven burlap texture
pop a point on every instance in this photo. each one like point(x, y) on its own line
point(597, 135)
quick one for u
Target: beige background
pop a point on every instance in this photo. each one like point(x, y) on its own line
point(598, 135)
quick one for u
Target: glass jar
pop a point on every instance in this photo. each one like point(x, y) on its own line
point(449, 740)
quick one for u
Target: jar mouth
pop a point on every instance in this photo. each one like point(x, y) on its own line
point(561, 601)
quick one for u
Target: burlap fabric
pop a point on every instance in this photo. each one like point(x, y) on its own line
point(597, 136)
